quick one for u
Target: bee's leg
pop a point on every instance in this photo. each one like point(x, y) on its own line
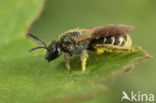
point(84, 56)
point(115, 49)
point(67, 60)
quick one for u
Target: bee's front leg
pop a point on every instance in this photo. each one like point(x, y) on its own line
point(67, 60)
point(84, 56)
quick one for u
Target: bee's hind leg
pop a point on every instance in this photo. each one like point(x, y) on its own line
point(84, 56)
point(67, 60)
point(115, 49)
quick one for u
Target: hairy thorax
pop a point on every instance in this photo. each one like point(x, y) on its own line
point(67, 42)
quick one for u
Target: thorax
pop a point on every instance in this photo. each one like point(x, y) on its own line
point(68, 45)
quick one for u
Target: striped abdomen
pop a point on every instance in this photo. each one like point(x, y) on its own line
point(123, 40)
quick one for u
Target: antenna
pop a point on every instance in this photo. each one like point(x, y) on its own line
point(39, 47)
point(33, 36)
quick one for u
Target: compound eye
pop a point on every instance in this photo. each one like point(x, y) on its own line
point(59, 51)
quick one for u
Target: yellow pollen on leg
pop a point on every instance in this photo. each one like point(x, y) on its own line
point(84, 65)
point(100, 51)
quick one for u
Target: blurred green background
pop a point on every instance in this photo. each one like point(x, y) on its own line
point(61, 15)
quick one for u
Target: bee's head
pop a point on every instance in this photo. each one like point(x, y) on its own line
point(53, 49)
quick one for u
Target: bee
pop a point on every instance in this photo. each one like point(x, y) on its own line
point(112, 38)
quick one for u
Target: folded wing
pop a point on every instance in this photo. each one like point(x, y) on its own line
point(107, 30)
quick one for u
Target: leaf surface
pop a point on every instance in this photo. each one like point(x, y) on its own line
point(26, 77)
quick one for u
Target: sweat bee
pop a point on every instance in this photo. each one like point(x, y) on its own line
point(110, 38)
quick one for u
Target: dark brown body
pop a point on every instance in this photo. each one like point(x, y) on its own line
point(107, 38)
point(68, 45)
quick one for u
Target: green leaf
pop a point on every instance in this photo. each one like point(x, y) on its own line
point(26, 77)
point(16, 16)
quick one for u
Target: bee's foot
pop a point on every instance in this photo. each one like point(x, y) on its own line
point(80, 73)
point(139, 48)
point(68, 72)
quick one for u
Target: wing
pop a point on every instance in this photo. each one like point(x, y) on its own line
point(107, 30)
